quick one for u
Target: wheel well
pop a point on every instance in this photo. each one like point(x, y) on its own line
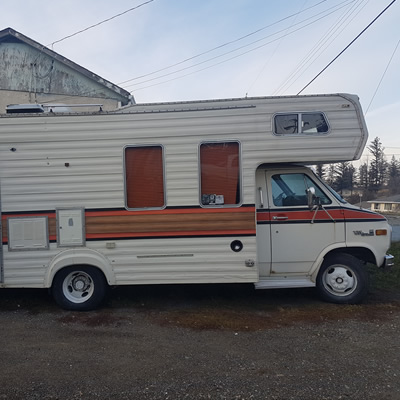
point(361, 253)
point(77, 266)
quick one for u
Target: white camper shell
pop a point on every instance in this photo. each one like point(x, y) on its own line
point(190, 192)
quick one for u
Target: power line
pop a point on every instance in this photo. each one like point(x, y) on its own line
point(222, 45)
point(383, 75)
point(99, 23)
point(239, 48)
point(312, 80)
point(271, 56)
point(320, 47)
point(93, 92)
point(220, 62)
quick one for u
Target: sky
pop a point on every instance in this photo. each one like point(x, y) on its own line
point(180, 50)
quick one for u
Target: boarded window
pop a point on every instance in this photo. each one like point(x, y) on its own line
point(144, 177)
point(220, 173)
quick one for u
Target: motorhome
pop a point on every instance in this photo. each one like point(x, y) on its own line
point(213, 191)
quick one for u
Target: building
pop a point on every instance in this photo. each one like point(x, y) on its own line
point(389, 204)
point(31, 73)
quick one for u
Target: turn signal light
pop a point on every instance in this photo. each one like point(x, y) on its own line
point(381, 232)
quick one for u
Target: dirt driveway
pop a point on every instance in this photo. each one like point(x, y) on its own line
point(200, 342)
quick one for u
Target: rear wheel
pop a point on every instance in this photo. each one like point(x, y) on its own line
point(342, 279)
point(79, 288)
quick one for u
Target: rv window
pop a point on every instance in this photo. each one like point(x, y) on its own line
point(300, 123)
point(219, 174)
point(313, 123)
point(144, 177)
point(286, 123)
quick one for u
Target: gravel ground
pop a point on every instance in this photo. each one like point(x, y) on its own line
point(200, 342)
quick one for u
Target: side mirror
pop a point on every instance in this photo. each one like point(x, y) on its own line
point(312, 199)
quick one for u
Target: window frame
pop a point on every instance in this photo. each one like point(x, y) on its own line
point(163, 177)
point(305, 175)
point(240, 180)
point(387, 207)
point(299, 123)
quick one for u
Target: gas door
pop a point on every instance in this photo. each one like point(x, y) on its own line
point(298, 235)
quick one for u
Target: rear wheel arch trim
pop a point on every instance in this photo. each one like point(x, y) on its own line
point(75, 257)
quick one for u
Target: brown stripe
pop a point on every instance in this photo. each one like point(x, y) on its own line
point(170, 223)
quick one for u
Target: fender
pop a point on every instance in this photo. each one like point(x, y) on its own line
point(317, 264)
point(78, 256)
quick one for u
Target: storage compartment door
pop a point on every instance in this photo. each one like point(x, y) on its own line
point(70, 227)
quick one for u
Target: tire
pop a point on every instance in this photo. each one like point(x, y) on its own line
point(342, 279)
point(79, 288)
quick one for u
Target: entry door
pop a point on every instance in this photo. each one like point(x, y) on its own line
point(298, 234)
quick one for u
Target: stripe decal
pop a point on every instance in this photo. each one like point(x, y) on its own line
point(167, 223)
point(185, 222)
point(305, 215)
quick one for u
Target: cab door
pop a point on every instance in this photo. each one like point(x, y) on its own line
point(299, 234)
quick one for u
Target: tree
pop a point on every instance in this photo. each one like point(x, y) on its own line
point(345, 176)
point(394, 176)
point(378, 166)
point(363, 176)
point(320, 170)
point(331, 174)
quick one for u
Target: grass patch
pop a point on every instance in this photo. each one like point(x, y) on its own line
point(387, 279)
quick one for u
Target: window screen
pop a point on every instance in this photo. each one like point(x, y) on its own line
point(220, 173)
point(144, 177)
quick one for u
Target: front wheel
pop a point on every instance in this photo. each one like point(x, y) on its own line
point(342, 279)
point(80, 288)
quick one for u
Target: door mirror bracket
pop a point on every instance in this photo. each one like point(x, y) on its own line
point(314, 203)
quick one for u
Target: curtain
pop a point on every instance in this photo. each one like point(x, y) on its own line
point(220, 170)
point(144, 177)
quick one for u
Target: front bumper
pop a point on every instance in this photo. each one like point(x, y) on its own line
point(388, 261)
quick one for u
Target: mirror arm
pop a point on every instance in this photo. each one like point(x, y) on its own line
point(320, 207)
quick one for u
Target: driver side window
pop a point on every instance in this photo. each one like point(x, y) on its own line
point(290, 190)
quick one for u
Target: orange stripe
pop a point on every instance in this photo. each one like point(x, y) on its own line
point(355, 214)
point(303, 215)
point(50, 215)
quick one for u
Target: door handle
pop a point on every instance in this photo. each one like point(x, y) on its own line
point(261, 197)
point(279, 217)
